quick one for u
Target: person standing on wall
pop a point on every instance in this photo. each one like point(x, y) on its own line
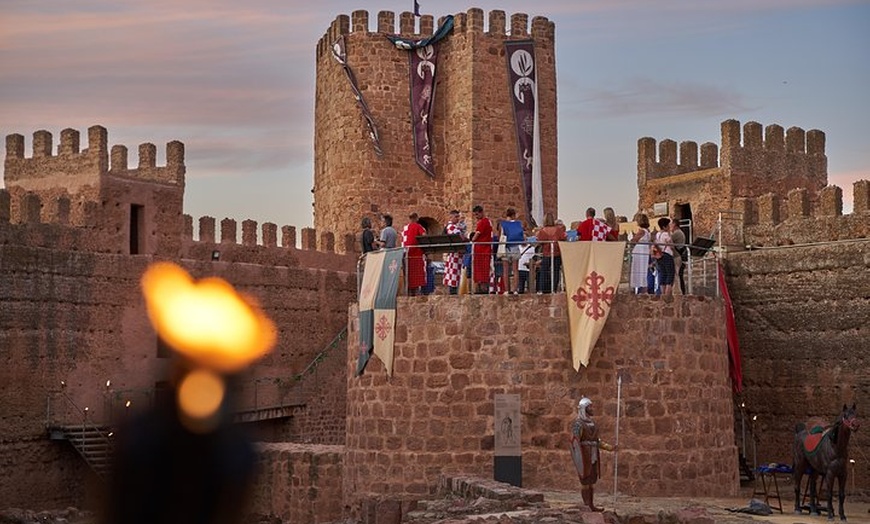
point(389, 236)
point(592, 229)
point(584, 450)
point(550, 267)
point(415, 262)
point(453, 261)
point(527, 253)
point(610, 220)
point(663, 252)
point(512, 230)
point(481, 251)
point(640, 255)
point(681, 254)
point(368, 236)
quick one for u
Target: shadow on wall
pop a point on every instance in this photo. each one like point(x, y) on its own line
point(432, 226)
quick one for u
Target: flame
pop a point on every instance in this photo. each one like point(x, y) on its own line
point(206, 321)
point(199, 397)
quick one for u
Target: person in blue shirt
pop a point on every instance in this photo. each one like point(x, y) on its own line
point(512, 230)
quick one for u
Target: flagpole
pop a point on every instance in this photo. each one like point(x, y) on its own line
point(616, 453)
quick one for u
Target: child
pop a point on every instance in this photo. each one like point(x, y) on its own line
point(527, 251)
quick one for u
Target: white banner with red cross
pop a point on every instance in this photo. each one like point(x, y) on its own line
point(592, 273)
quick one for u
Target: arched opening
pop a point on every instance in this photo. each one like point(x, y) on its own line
point(432, 226)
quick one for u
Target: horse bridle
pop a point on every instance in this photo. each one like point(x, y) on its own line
point(852, 423)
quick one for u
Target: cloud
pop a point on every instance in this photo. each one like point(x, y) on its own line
point(645, 96)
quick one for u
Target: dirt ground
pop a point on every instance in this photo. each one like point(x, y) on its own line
point(856, 511)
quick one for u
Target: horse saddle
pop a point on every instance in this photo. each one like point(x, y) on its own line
point(814, 438)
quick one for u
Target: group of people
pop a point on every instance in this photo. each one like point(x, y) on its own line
point(658, 257)
point(502, 255)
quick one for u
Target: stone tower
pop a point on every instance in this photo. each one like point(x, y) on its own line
point(763, 165)
point(129, 211)
point(474, 143)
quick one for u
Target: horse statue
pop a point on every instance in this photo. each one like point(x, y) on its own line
point(824, 450)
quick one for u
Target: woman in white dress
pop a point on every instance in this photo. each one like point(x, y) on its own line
point(640, 254)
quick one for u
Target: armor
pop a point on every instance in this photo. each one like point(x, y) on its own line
point(584, 450)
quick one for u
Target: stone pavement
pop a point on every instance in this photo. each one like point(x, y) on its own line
point(467, 500)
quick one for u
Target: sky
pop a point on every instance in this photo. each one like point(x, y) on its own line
point(234, 81)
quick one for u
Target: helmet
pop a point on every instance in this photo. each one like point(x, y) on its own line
point(581, 408)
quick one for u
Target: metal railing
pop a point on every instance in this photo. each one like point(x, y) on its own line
point(701, 271)
point(118, 405)
point(80, 432)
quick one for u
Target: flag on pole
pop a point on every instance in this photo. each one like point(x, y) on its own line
point(592, 273)
point(368, 289)
point(416, 8)
point(385, 308)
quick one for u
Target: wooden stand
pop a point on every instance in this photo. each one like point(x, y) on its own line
point(769, 488)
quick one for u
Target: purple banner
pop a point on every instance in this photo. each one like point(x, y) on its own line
point(521, 75)
point(423, 61)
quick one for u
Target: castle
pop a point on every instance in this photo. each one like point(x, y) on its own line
point(78, 227)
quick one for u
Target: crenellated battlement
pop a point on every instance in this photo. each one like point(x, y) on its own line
point(663, 161)
point(92, 200)
point(74, 169)
point(61, 222)
point(148, 170)
point(261, 245)
point(796, 219)
point(475, 20)
point(793, 147)
point(73, 224)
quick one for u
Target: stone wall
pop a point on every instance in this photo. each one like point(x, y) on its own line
point(474, 144)
point(802, 321)
point(453, 354)
point(298, 483)
point(79, 317)
point(747, 165)
point(805, 221)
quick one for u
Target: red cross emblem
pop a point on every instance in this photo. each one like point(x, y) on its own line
point(394, 266)
point(383, 327)
point(592, 300)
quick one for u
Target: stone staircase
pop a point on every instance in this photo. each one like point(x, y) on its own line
point(93, 443)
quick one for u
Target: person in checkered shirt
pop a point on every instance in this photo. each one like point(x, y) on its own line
point(593, 229)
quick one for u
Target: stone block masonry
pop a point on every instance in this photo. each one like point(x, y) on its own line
point(746, 165)
point(802, 321)
point(79, 317)
point(453, 354)
point(298, 483)
point(803, 221)
point(474, 143)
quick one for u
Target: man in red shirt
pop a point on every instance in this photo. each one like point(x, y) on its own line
point(592, 229)
point(415, 263)
point(481, 252)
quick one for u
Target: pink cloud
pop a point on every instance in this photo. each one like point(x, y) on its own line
point(845, 180)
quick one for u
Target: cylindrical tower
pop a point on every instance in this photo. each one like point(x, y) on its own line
point(474, 144)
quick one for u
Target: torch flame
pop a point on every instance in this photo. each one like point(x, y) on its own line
point(206, 321)
point(199, 398)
